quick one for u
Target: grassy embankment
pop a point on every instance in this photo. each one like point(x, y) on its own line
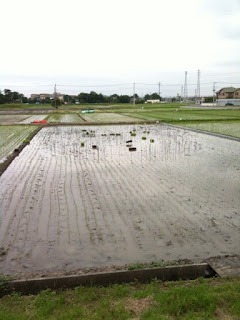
point(199, 299)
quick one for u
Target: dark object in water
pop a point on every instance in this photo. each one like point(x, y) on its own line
point(132, 149)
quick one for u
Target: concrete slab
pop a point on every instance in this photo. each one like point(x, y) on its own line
point(172, 273)
point(226, 266)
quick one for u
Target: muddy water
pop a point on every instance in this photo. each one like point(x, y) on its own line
point(65, 206)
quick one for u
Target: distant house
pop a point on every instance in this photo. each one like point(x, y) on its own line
point(228, 93)
point(35, 96)
point(42, 96)
point(236, 94)
point(228, 96)
point(46, 95)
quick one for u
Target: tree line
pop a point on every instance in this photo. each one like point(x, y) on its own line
point(9, 96)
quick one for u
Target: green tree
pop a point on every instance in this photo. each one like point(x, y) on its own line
point(155, 96)
point(2, 98)
point(56, 103)
point(147, 97)
point(124, 99)
point(83, 97)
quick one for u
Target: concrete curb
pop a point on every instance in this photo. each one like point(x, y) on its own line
point(172, 273)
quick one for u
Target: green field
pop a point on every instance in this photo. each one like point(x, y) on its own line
point(63, 118)
point(109, 117)
point(18, 106)
point(228, 128)
point(185, 115)
point(12, 137)
point(199, 299)
point(223, 121)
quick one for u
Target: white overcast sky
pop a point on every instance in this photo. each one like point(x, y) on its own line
point(77, 43)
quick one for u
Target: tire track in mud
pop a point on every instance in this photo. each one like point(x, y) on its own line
point(51, 228)
point(75, 202)
point(98, 203)
point(59, 225)
point(66, 199)
point(204, 218)
point(22, 169)
point(83, 218)
point(21, 216)
point(122, 221)
point(107, 208)
point(166, 188)
point(194, 227)
point(152, 221)
point(35, 213)
point(21, 196)
point(85, 204)
point(153, 189)
point(137, 214)
point(91, 218)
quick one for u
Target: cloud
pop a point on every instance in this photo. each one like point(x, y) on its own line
point(221, 8)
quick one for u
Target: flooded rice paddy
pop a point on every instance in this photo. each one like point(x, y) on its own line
point(77, 197)
point(58, 117)
point(12, 137)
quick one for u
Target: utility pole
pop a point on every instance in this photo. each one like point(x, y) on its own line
point(198, 100)
point(159, 88)
point(185, 88)
point(214, 83)
point(134, 94)
point(55, 96)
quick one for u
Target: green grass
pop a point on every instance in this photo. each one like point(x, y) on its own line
point(229, 128)
point(186, 115)
point(19, 106)
point(12, 137)
point(199, 299)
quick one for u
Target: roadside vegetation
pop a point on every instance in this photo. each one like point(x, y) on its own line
point(199, 299)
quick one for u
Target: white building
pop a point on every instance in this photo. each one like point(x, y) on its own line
point(153, 101)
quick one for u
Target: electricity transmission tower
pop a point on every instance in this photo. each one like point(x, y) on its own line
point(198, 89)
point(185, 99)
